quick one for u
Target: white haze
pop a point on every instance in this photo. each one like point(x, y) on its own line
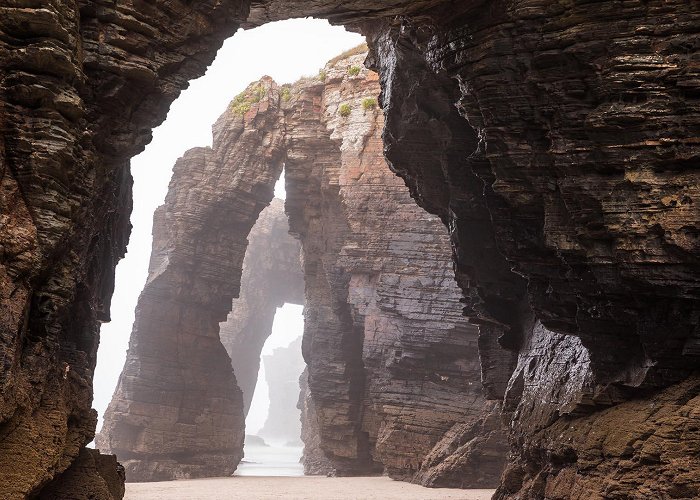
point(287, 326)
point(286, 51)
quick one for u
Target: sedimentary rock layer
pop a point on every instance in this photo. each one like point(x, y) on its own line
point(82, 85)
point(177, 411)
point(393, 364)
point(271, 277)
point(566, 177)
point(565, 173)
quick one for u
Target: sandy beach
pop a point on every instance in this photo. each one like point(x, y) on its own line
point(296, 488)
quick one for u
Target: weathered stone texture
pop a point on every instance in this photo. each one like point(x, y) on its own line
point(393, 364)
point(566, 176)
point(82, 85)
point(315, 461)
point(271, 277)
point(573, 243)
point(177, 411)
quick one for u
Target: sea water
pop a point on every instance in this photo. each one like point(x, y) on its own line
point(271, 461)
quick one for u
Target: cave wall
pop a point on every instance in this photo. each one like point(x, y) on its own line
point(82, 85)
point(393, 365)
point(583, 115)
point(577, 176)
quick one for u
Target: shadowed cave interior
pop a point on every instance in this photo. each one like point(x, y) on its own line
point(496, 209)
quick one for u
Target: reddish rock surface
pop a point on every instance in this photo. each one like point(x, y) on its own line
point(271, 277)
point(566, 177)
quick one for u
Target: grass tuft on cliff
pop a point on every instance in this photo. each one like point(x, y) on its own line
point(344, 110)
point(369, 103)
point(360, 49)
point(241, 104)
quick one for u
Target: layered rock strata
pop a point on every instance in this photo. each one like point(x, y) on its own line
point(177, 411)
point(557, 143)
point(393, 365)
point(393, 372)
point(271, 277)
point(82, 84)
point(578, 121)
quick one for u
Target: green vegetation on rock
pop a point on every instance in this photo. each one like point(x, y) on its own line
point(354, 70)
point(369, 103)
point(241, 104)
point(344, 110)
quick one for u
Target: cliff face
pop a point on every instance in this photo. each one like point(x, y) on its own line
point(271, 277)
point(569, 195)
point(177, 411)
point(393, 365)
point(565, 176)
point(282, 371)
point(82, 85)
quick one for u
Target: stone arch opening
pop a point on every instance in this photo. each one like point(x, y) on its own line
point(569, 131)
point(377, 281)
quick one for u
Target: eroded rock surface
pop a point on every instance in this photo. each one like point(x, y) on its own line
point(82, 85)
point(570, 160)
point(177, 411)
point(271, 277)
point(392, 363)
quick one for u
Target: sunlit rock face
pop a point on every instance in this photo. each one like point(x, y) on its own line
point(271, 277)
point(566, 176)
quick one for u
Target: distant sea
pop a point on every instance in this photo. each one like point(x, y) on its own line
point(271, 461)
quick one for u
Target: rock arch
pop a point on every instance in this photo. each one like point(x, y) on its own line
point(586, 122)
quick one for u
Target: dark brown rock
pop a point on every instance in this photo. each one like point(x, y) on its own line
point(570, 161)
point(92, 476)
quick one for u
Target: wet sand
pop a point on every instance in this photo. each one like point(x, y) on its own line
point(295, 488)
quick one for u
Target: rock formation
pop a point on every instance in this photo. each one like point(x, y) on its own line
point(177, 411)
point(271, 277)
point(393, 364)
point(81, 87)
point(282, 371)
point(315, 461)
point(565, 174)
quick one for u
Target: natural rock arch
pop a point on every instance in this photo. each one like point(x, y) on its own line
point(578, 112)
point(393, 370)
